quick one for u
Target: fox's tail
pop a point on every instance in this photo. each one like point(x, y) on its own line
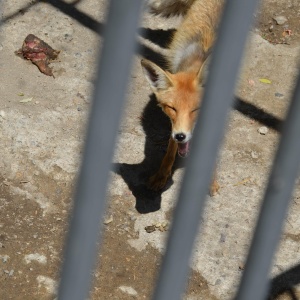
point(167, 8)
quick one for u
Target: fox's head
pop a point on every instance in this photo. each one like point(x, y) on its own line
point(179, 96)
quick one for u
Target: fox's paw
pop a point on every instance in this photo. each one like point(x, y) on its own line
point(214, 188)
point(157, 182)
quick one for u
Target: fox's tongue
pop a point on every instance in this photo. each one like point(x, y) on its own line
point(183, 149)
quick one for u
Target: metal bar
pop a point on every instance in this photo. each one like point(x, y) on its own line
point(254, 283)
point(110, 87)
point(207, 137)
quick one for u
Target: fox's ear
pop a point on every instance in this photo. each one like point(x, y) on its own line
point(157, 77)
point(203, 72)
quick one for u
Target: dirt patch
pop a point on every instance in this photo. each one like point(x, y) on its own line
point(30, 256)
point(125, 273)
point(279, 23)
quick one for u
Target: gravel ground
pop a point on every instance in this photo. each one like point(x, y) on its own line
point(42, 128)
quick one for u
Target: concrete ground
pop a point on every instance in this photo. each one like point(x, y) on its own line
point(42, 122)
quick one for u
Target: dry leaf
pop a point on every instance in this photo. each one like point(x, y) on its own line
point(26, 100)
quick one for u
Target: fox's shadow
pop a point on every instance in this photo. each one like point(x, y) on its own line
point(157, 129)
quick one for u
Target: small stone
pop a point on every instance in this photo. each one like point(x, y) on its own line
point(280, 20)
point(222, 238)
point(42, 259)
point(128, 290)
point(278, 95)
point(108, 220)
point(271, 28)
point(162, 229)
point(150, 228)
point(254, 154)
point(218, 281)
point(263, 130)
point(5, 258)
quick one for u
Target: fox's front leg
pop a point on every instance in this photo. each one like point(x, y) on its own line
point(159, 179)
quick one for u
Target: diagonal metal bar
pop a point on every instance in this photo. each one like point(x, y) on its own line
point(207, 137)
point(110, 87)
point(254, 283)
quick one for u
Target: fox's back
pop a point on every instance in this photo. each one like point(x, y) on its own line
point(196, 35)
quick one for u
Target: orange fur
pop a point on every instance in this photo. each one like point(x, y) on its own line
point(168, 8)
point(179, 90)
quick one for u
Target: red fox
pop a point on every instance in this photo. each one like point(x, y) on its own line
point(178, 90)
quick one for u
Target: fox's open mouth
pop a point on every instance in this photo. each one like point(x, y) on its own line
point(183, 149)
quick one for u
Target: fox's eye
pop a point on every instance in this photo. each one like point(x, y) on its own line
point(171, 107)
point(196, 109)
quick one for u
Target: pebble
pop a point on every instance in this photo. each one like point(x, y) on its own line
point(128, 290)
point(150, 228)
point(254, 154)
point(108, 220)
point(4, 258)
point(278, 95)
point(280, 20)
point(263, 130)
point(9, 273)
point(222, 238)
point(218, 281)
point(133, 218)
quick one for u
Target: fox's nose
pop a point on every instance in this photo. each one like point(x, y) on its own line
point(179, 137)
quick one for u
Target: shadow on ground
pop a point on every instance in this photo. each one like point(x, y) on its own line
point(157, 129)
point(284, 284)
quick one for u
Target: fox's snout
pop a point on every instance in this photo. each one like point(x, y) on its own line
point(181, 137)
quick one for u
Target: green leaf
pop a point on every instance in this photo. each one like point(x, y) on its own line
point(264, 80)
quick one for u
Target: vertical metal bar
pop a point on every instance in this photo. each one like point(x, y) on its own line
point(110, 87)
point(207, 137)
point(279, 190)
